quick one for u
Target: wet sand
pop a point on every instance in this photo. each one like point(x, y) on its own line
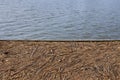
point(53, 60)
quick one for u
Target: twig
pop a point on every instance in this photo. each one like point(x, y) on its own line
point(60, 72)
point(41, 67)
point(33, 52)
point(23, 68)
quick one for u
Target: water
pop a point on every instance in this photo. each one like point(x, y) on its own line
point(59, 19)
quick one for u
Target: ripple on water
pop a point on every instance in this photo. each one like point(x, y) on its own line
point(64, 19)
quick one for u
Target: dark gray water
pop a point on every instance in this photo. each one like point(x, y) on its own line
point(59, 19)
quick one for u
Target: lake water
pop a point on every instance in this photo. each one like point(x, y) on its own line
point(59, 19)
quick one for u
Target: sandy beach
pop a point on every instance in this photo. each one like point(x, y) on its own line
point(54, 60)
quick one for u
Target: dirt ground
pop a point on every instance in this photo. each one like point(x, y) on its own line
point(40, 60)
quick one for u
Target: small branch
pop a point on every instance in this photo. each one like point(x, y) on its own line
point(23, 68)
point(42, 67)
point(33, 52)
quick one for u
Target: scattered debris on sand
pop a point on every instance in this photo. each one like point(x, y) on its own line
point(40, 60)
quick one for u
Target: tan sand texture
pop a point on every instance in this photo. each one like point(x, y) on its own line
point(54, 60)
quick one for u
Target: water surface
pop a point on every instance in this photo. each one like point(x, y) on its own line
point(59, 19)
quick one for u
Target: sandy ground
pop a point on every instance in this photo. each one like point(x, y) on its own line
point(40, 60)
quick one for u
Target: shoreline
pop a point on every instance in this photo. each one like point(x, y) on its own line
point(92, 40)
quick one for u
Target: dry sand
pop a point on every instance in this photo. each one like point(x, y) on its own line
point(40, 60)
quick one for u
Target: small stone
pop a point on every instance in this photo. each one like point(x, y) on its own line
point(59, 60)
point(119, 48)
point(6, 60)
